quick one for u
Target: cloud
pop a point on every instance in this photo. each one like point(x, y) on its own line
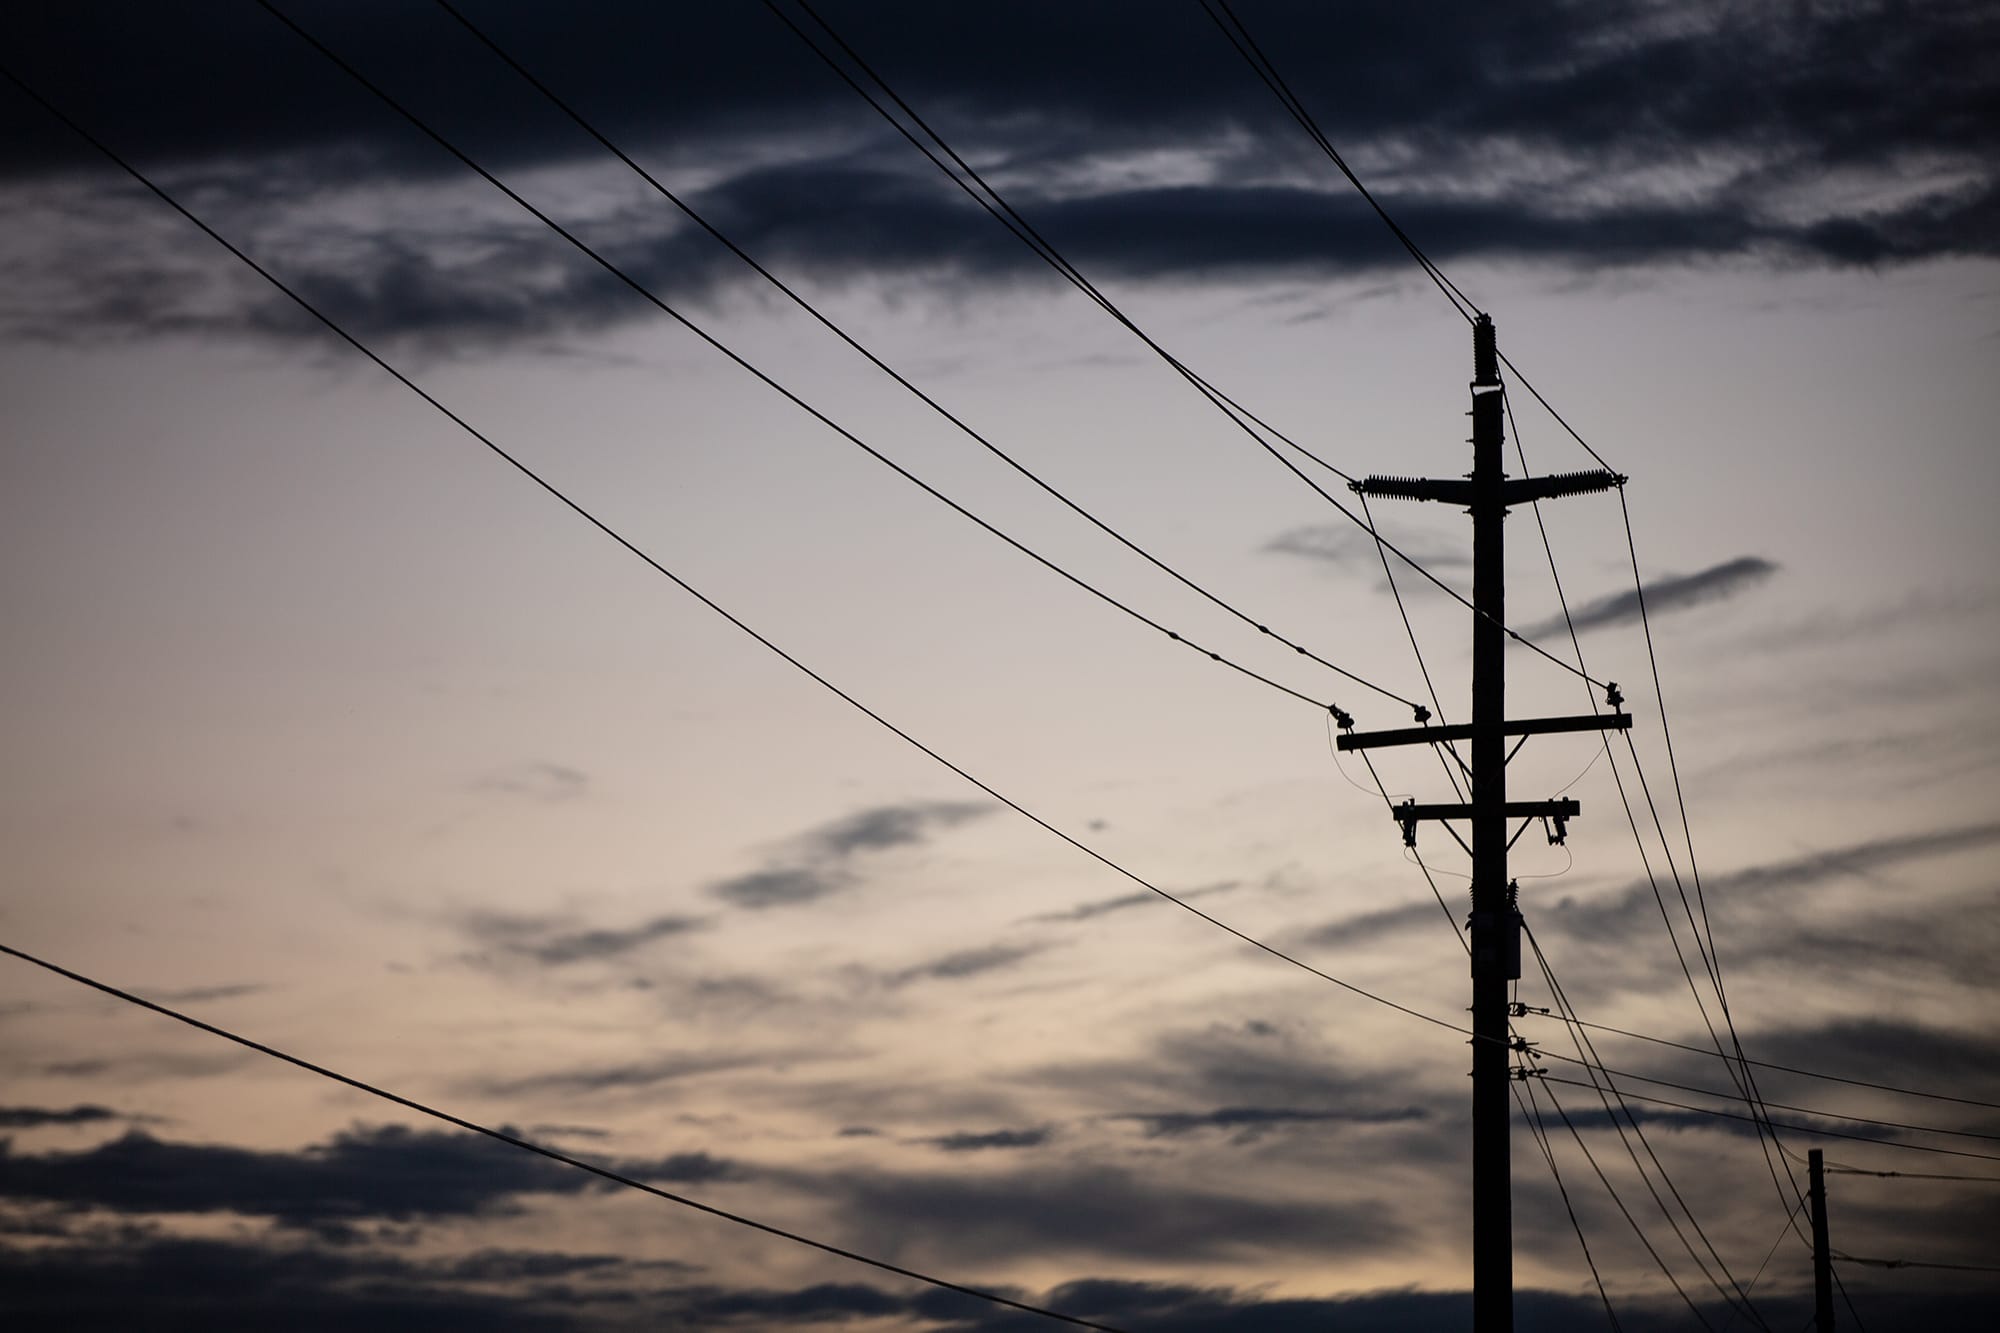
point(382, 1173)
point(963, 964)
point(1246, 1123)
point(1564, 137)
point(546, 941)
point(625, 1075)
point(821, 862)
point(1077, 1211)
point(967, 1141)
point(1772, 886)
point(202, 994)
point(538, 780)
point(35, 1117)
point(1351, 548)
point(1717, 583)
point(1125, 902)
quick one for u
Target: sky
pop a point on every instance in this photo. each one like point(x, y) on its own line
point(331, 728)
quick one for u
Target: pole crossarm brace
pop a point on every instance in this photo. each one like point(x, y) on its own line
point(1463, 731)
point(1409, 814)
point(1409, 811)
point(1522, 490)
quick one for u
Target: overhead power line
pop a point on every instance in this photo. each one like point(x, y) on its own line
point(964, 176)
point(1913, 1263)
point(1797, 1128)
point(763, 376)
point(552, 1154)
point(809, 308)
point(577, 508)
point(1246, 46)
point(1794, 1069)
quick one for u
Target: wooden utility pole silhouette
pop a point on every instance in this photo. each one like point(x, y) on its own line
point(1822, 1253)
point(1495, 924)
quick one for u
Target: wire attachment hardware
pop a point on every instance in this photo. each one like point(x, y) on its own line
point(1612, 698)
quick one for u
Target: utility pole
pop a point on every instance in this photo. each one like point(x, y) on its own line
point(1495, 923)
point(1822, 1253)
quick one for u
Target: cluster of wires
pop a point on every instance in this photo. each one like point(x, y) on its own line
point(1609, 1087)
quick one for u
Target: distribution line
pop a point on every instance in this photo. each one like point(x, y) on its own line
point(1744, 1080)
point(1605, 1093)
point(762, 376)
point(1531, 1107)
point(1769, 1254)
point(1792, 1069)
point(552, 1154)
point(689, 211)
point(1003, 212)
point(1907, 1175)
point(1637, 1230)
point(1267, 71)
point(1253, 55)
point(577, 508)
point(1796, 1128)
point(1782, 1106)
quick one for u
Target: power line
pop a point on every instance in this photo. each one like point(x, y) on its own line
point(1792, 1069)
point(576, 507)
point(1266, 70)
point(552, 1154)
point(1913, 1263)
point(1594, 1067)
point(659, 188)
point(1532, 1108)
point(1908, 1175)
point(1637, 1230)
point(1783, 1106)
point(1742, 1078)
point(762, 376)
point(1001, 211)
point(1796, 1128)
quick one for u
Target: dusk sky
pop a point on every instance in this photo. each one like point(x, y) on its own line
point(327, 726)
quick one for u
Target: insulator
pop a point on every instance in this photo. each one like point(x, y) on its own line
point(1485, 352)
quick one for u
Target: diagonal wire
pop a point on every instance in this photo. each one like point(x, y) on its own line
point(1532, 1107)
point(577, 508)
point(1003, 212)
point(762, 376)
point(1605, 1093)
point(552, 1154)
point(1266, 70)
point(590, 129)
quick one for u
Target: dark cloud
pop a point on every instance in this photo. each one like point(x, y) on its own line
point(821, 862)
point(1663, 596)
point(781, 887)
point(1771, 887)
point(1123, 903)
point(971, 1141)
point(548, 941)
point(629, 1075)
point(1088, 1210)
point(159, 1282)
point(538, 779)
point(1576, 136)
point(1351, 548)
point(965, 963)
point(384, 1173)
point(1245, 1123)
point(35, 1117)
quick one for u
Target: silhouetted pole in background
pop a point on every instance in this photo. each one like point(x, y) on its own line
point(1495, 924)
point(1822, 1256)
